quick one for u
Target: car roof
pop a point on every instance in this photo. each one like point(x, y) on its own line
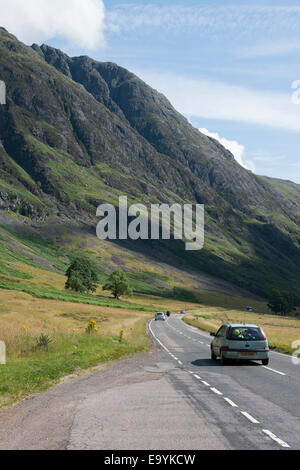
point(241, 325)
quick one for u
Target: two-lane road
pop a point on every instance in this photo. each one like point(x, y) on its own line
point(172, 398)
point(264, 402)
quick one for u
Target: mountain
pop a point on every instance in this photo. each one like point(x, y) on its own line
point(76, 133)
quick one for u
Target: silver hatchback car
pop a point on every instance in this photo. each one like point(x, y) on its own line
point(240, 342)
point(160, 316)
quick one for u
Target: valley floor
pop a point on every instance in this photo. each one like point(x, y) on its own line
point(162, 400)
point(119, 331)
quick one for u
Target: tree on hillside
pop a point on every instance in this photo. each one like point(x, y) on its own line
point(281, 302)
point(118, 284)
point(82, 275)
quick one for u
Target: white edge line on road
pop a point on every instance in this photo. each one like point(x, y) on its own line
point(231, 403)
point(249, 417)
point(197, 376)
point(275, 438)
point(273, 370)
point(217, 392)
point(205, 383)
point(162, 345)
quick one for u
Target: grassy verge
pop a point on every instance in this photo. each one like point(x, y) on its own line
point(281, 331)
point(40, 370)
point(34, 365)
point(32, 368)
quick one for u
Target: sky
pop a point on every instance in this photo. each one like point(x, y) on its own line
point(232, 67)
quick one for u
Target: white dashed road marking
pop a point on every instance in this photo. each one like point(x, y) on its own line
point(205, 383)
point(249, 417)
point(273, 370)
point(231, 403)
point(217, 392)
point(275, 438)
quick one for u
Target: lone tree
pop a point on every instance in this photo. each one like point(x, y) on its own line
point(82, 275)
point(118, 284)
point(281, 302)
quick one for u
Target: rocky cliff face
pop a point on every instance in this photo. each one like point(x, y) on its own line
point(76, 132)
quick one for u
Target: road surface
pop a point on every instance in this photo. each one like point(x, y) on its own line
point(265, 400)
point(173, 398)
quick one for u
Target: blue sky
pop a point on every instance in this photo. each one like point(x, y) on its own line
point(227, 65)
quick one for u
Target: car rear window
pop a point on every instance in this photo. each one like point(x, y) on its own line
point(246, 334)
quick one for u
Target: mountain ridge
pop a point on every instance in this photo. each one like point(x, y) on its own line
point(76, 132)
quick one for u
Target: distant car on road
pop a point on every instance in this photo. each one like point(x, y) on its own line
point(182, 312)
point(160, 317)
point(240, 342)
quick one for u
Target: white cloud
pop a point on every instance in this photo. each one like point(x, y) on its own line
point(217, 100)
point(80, 22)
point(233, 146)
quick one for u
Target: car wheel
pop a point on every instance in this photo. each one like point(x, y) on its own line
point(265, 362)
point(213, 356)
point(223, 360)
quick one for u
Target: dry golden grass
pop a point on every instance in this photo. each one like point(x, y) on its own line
point(33, 367)
point(19, 310)
point(21, 314)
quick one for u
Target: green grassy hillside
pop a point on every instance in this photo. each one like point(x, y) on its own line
point(88, 132)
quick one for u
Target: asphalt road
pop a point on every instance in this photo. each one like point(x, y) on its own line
point(265, 401)
point(173, 398)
